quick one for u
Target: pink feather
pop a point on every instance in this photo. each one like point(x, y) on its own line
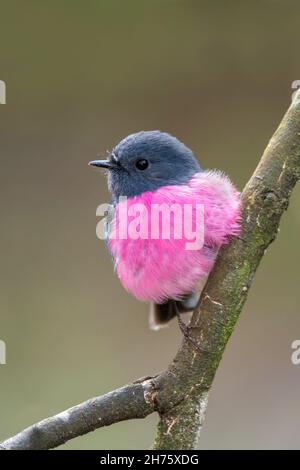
point(160, 269)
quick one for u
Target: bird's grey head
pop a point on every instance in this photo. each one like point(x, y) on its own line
point(146, 161)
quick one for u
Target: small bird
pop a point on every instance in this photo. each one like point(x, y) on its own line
point(153, 168)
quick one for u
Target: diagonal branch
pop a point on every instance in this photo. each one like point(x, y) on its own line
point(264, 200)
point(130, 402)
point(180, 393)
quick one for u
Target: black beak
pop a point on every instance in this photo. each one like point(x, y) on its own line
point(101, 164)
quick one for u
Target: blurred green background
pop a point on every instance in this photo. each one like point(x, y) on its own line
point(80, 76)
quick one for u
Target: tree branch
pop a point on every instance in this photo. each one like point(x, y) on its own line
point(264, 200)
point(180, 393)
point(130, 402)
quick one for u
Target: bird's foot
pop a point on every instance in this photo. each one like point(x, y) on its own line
point(185, 330)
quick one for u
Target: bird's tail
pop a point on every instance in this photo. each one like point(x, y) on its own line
point(161, 314)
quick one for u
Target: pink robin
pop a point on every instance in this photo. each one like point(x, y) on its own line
point(153, 169)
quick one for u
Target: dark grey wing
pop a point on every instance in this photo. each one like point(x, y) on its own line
point(161, 314)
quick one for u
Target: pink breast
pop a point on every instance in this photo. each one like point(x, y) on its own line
point(159, 269)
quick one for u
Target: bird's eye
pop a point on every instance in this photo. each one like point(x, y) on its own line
point(142, 164)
